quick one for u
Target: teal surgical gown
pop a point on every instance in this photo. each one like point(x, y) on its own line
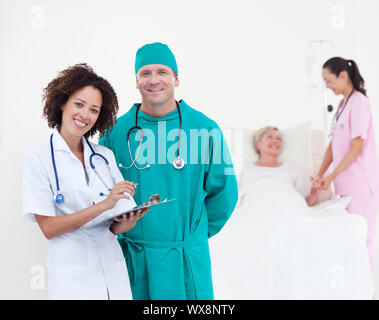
point(167, 252)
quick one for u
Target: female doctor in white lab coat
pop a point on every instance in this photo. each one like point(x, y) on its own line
point(84, 260)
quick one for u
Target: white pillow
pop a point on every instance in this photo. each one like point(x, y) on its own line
point(319, 145)
point(296, 147)
point(302, 147)
point(319, 142)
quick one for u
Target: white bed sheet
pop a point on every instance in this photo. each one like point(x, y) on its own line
point(275, 247)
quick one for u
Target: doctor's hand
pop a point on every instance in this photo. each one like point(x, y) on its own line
point(117, 193)
point(127, 221)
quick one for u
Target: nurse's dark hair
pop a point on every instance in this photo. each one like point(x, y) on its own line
point(337, 64)
point(68, 81)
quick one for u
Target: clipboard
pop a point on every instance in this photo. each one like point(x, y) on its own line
point(144, 206)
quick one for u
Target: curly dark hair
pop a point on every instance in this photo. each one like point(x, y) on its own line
point(69, 81)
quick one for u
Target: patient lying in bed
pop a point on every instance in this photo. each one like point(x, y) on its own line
point(279, 244)
point(268, 144)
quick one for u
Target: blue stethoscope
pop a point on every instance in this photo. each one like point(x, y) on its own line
point(59, 198)
point(178, 162)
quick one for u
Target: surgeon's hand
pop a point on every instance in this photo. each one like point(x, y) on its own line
point(127, 221)
point(118, 192)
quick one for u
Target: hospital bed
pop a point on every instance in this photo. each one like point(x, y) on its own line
point(344, 258)
point(303, 147)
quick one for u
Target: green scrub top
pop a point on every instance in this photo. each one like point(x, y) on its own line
point(167, 252)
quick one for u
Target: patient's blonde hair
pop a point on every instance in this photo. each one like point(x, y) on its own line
point(260, 133)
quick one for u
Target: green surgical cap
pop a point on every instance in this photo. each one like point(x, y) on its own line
point(155, 53)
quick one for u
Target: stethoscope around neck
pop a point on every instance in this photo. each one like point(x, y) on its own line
point(337, 115)
point(178, 162)
point(59, 198)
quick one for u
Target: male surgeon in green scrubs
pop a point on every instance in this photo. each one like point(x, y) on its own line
point(167, 252)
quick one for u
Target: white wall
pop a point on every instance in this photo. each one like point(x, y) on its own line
point(243, 63)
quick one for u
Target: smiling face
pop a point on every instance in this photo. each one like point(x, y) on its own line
point(81, 111)
point(335, 83)
point(156, 83)
point(270, 144)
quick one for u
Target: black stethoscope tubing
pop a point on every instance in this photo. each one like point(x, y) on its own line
point(338, 114)
point(137, 127)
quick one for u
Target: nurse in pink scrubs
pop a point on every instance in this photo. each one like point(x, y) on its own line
point(352, 148)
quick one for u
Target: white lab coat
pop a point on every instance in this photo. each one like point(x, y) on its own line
point(88, 262)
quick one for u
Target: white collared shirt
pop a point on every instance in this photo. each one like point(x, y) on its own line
point(88, 262)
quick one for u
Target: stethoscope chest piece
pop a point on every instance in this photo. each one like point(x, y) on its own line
point(59, 199)
point(178, 163)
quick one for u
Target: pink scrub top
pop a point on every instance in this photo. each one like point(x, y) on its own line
point(362, 176)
